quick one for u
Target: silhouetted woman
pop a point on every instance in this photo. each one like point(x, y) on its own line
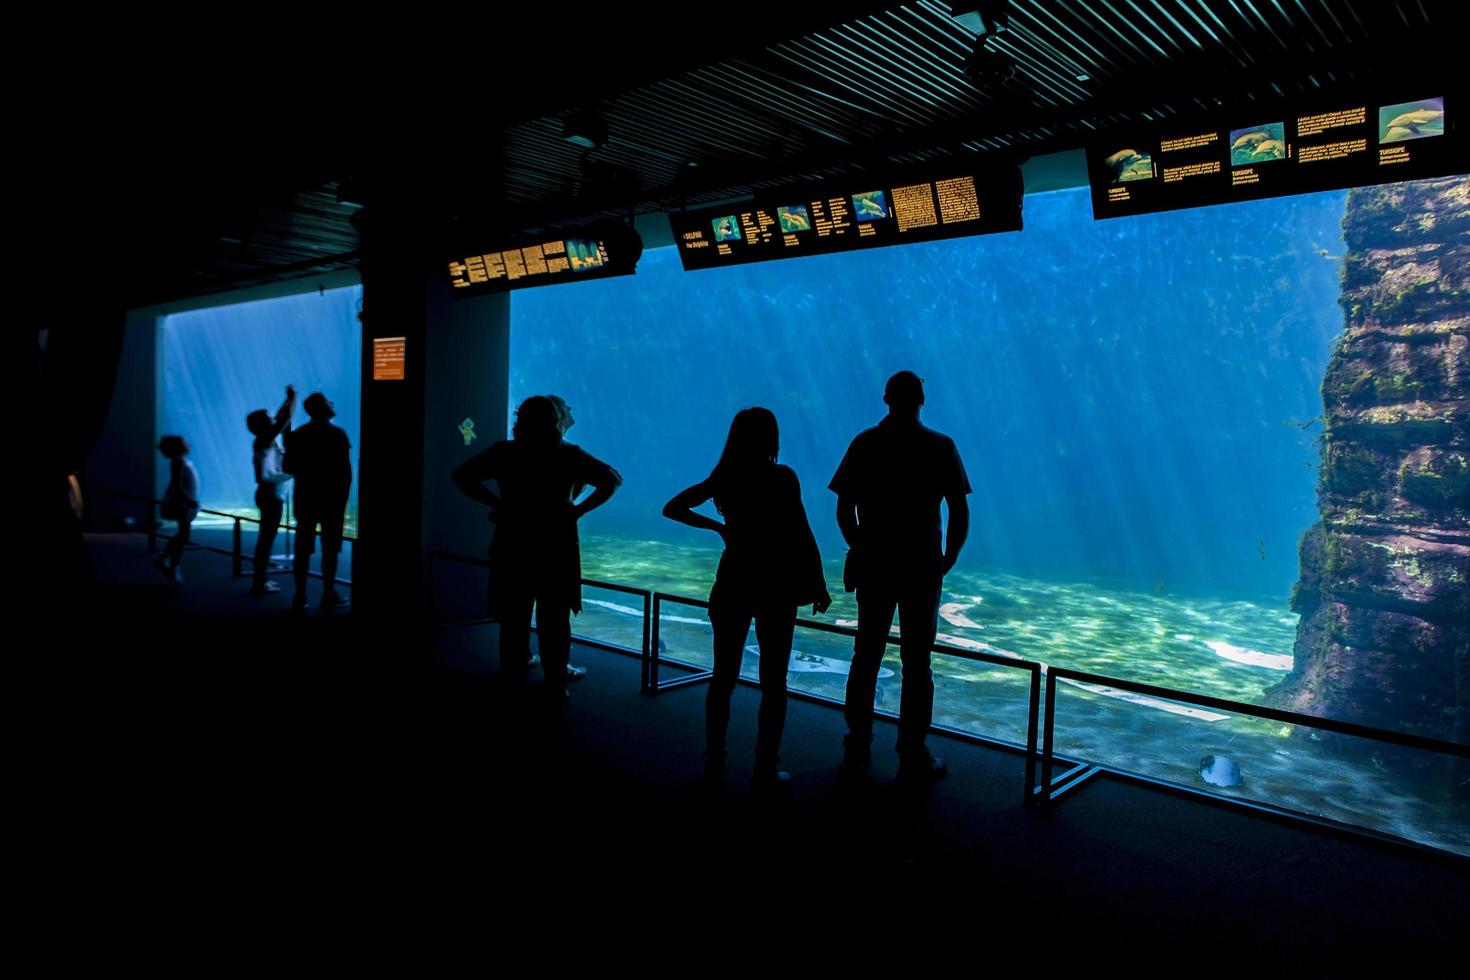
point(770, 566)
point(534, 556)
point(180, 503)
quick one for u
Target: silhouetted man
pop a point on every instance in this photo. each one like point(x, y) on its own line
point(888, 488)
point(317, 455)
point(270, 484)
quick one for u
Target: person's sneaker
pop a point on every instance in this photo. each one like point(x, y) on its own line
point(576, 673)
point(924, 770)
point(770, 781)
point(298, 602)
point(334, 600)
point(269, 588)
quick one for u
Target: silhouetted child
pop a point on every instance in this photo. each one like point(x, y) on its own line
point(770, 566)
point(180, 503)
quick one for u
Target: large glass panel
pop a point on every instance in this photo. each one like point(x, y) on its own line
point(221, 363)
point(1138, 403)
point(1400, 792)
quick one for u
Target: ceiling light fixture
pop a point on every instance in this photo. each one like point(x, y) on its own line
point(584, 128)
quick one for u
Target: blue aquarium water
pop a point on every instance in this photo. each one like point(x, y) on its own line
point(1136, 402)
point(222, 363)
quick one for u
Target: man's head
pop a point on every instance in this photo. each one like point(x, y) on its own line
point(258, 422)
point(319, 406)
point(904, 393)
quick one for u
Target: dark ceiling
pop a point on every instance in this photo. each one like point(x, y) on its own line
point(240, 158)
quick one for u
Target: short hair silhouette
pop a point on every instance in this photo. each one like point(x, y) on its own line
point(173, 446)
point(904, 390)
point(258, 422)
point(536, 419)
point(316, 405)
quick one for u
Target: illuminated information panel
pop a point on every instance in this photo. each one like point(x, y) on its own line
point(834, 218)
point(538, 264)
point(1348, 143)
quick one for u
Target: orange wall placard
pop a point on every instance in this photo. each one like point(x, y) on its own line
point(388, 358)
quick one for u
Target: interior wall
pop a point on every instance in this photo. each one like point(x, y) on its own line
point(468, 365)
point(123, 458)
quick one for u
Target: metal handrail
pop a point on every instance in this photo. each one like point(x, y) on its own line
point(236, 552)
point(1261, 711)
point(203, 510)
point(654, 658)
point(1078, 775)
point(1078, 772)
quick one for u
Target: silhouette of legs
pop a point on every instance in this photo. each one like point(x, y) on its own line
point(918, 616)
point(515, 636)
point(773, 631)
point(918, 621)
point(554, 641)
point(731, 625)
point(875, 619)
point(774, 627)
point(271, 508)
point(331, 551)
point(306, 522)
point(173, 552)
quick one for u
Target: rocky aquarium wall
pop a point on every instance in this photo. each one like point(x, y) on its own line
point(1384, 594)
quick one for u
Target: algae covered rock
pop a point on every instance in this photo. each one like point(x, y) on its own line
point(1384, 593)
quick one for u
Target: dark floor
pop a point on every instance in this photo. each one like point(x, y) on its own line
point(287, 774)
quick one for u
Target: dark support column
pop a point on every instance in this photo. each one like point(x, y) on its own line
point(469, 369)
point(386, 564)
point(456, 368)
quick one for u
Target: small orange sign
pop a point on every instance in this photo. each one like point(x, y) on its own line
point(388, 358)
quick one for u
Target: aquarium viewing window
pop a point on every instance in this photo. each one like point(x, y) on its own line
point(1267, 153)
point(859, 213)
point(223, 362)
point(1140, 407)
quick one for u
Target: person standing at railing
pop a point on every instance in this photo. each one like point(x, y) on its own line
point(564, 423)
point(535, 559)
point(318, 455)
point(180, 503)
point(270, 484)
point(889, 487)
point(770, 566)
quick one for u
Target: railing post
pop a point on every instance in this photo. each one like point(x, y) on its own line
point(1046, 736)
point(647, 620)
point(650, 661)
point(236, 556)
point(1031, 721)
